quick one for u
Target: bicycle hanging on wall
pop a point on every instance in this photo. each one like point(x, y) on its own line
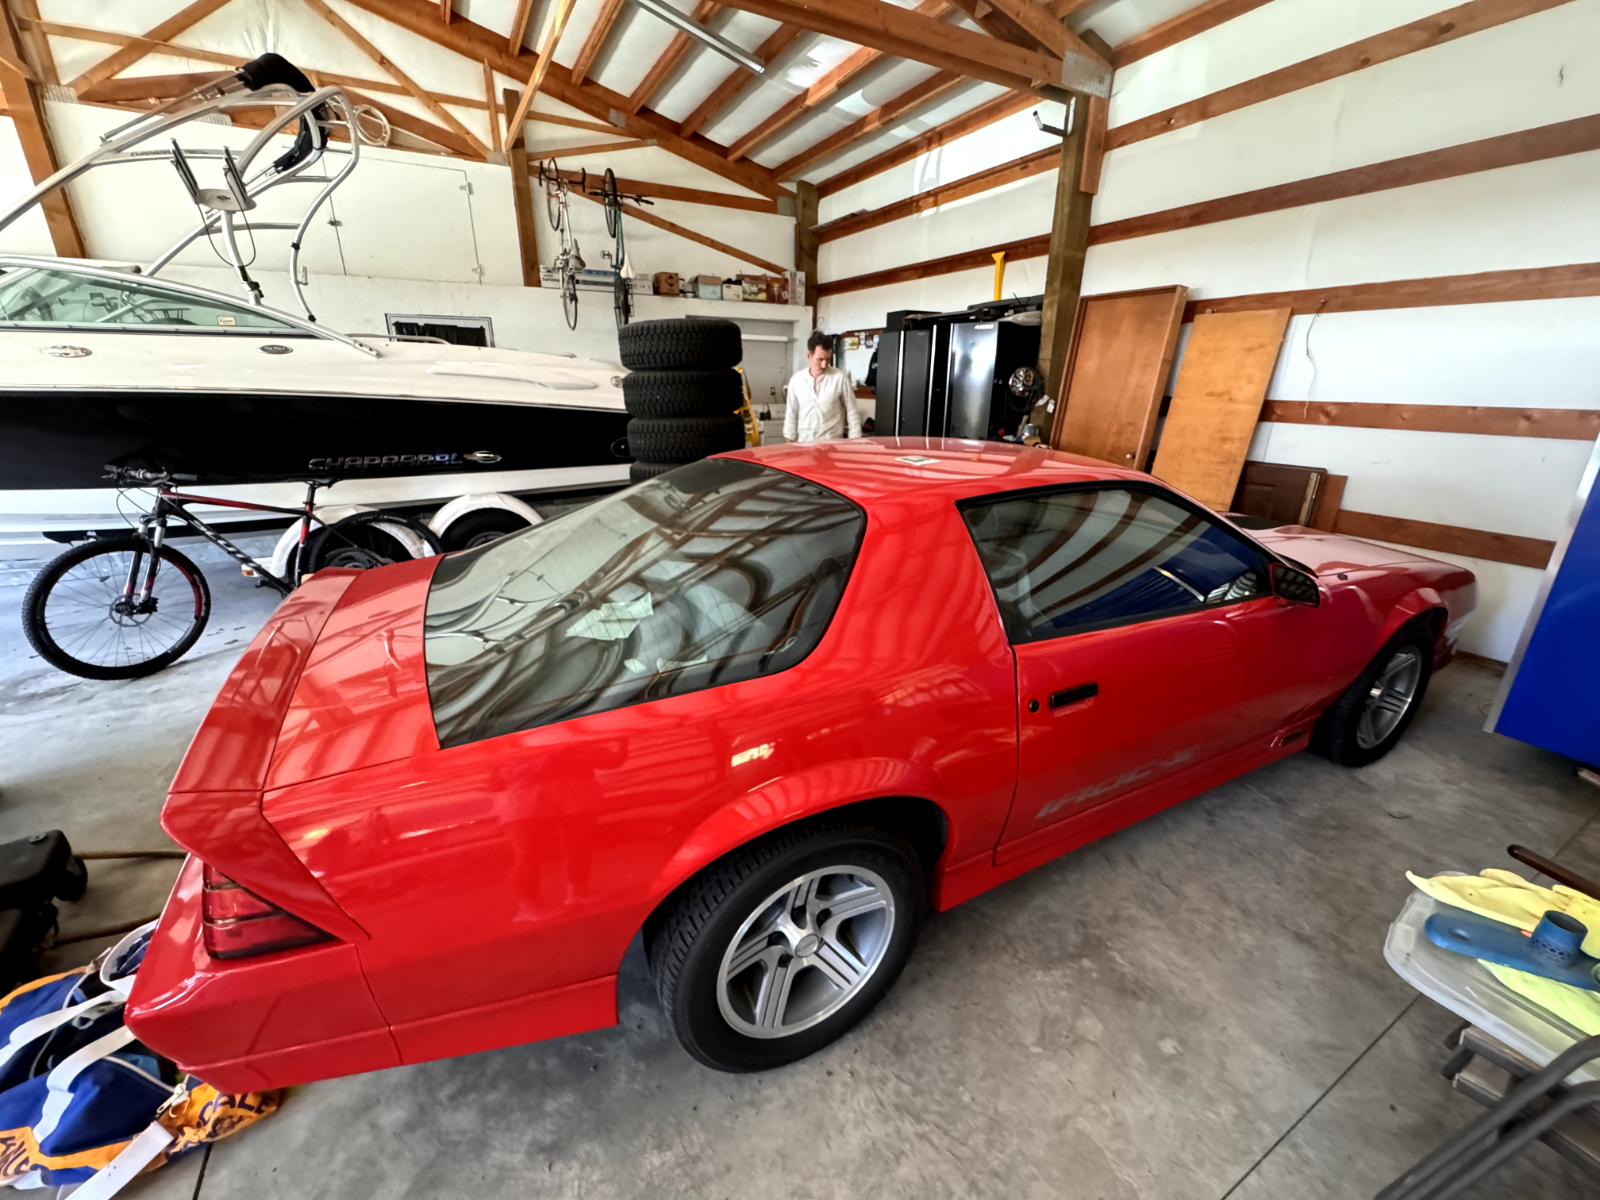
point(557, 186)
point(569, 260)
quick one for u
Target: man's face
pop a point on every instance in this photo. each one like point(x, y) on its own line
point(820, 359)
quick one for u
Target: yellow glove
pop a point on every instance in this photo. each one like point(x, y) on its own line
point(1575, 1006)
point(1509, 898)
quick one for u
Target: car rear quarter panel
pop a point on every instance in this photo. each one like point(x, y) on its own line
point(528, 862)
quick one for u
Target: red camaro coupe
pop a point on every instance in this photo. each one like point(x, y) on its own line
point(765, 708)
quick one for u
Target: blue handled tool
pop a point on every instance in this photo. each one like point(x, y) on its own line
point(1551, 951)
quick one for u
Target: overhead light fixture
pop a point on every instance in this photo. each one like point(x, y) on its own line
point(701, 34)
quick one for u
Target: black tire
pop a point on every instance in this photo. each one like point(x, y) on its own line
point(708, 342)
point(359, 541)
point(62, 589)
point(1338, 733)
point(682, 393)
point(569, 298)
point(686, 944)
point(683, 439)
point(638, 472)
point(480, 528)
point(621, 299)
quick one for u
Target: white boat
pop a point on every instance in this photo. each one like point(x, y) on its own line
point(104, 365)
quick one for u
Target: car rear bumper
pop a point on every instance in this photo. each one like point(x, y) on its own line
point(244, 1024)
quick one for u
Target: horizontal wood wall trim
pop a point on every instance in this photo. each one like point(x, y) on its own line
point(986, 180)
point(1180, 28)
point(1435, 30)
point(1578, 136)
point(1573, 424)
point(1034, 247)
point(1485, 287)
point(1450, 539)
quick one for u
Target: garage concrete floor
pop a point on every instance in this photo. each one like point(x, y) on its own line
point(1192, 1009)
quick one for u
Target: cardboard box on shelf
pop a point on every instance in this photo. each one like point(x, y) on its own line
point(753, 287)
point(708, 287)
point(732, 289)
point(797, 287)
point(666, 283)
point(777, 289)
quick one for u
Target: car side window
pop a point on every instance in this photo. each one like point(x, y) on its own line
point(1067, 561)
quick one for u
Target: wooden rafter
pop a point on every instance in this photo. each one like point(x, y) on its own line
point(790, 112)
point(1180, 28)
point(1048, 31)
point(519, 26)
point(120, 60)
point(446, 117)
point(595, 148)
point(885, 114)
point(970, 121)
point(704, 10)
point(649, 218)
point(683, 195)
point(779, 40)
point(1025, 167)
point(922, 39)
point(495, 143)
point(1062, 9)
point(477, 43)
point(26, 109)
point(610, 10)
point(35, 46)
point(447, 140)
point(541, 67)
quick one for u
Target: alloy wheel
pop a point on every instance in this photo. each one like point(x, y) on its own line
point(1390, 697)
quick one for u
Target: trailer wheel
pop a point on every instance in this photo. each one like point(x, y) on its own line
point(480, 528)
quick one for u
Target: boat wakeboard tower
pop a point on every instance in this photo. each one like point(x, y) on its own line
point(269, 82)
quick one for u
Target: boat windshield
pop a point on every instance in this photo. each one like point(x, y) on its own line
point(60, 298)
point(714, 573)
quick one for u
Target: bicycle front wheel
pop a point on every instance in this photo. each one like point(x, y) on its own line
point(81, 619)
point(569, 298)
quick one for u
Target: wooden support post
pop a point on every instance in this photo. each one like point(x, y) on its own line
point(805, 241)
point(522, 195)
point(25, 107)
point(1063, 278)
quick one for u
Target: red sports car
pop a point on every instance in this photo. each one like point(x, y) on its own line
point(766, 709)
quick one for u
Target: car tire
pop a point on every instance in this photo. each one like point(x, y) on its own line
point(680, 345)
point(480, 528)
point(1364, 723)
point(682, 393)
point(835, 968)
point(638, 472)
point(683, 439)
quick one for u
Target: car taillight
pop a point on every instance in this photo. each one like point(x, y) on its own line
point(237, 923)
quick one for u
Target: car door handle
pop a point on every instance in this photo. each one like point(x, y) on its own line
point(1072, 695)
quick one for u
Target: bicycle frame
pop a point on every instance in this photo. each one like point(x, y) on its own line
point(170, 503)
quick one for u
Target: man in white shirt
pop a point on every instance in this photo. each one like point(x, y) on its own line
point(820, 402)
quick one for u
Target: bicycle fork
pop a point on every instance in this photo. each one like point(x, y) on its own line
point(154, 534)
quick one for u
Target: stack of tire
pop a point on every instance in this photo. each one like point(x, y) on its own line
point(682, 392)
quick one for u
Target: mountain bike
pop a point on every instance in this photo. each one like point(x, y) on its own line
point(123, 607)
point(570, 260)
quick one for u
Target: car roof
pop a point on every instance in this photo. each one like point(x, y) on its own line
point(877, 470)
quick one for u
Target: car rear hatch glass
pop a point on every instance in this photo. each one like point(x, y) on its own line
point(716, 572)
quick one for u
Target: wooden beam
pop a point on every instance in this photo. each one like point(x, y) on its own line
point(885, 114)
point(1566, 424)
point(1063, 277)
point(446, 11)
point(519, 26)
point(610, 10)
point(974, 119)
point(1449, 539)
point(683, 195)
point(1577, 136)
point(34, 44)
point(1447, 26)
point(649, 218)
point(592, 148)
point(107, 37)
point(1486, 287)
point(795, 108)
point(120, 60)
point(1094, 150)
point(446, 117)
point(1204, 16)
point(446, 139)
point(703, 11)
point(1047, 30)
point(1025, 167)
point(1032, 247)
point(1062, 9)
point(495, 142)
point(805, 244)
point(25, 107)
point(477, 43)
point(544, 118)
point(922, 39)
point(997, 24)
point(522, 198)
point(739, 78)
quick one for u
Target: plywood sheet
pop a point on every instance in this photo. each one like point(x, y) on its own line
point(1216, 401)
point(1328, 503)
point(1122, 348)
point(1279, 492)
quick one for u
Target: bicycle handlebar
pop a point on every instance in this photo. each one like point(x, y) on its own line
point(140, 475)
